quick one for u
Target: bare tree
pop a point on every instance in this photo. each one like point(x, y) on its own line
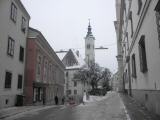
point(93, 75)
point(106, 78)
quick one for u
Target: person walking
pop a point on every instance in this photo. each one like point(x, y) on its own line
point(63, 100)
point(56, 100)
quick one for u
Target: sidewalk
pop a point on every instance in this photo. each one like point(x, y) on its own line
point(7, 112)
point(135, 110)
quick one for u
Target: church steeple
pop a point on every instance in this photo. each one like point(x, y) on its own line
point(89, 33)
point(89, 46)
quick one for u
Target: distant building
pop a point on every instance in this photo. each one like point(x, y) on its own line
point(74, 88)
point(14, 21)
point(115, 82)
point(139, 42)
point(44, 71)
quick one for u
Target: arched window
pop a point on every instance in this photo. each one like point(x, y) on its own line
point(88, 46)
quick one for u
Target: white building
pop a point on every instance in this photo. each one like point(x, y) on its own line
point(140, 42)
point(74, 88)
point(115, 82)
point(14, 21)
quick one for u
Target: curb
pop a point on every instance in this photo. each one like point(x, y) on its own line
point(125, 110)
point(9, 115)
point(27, 110)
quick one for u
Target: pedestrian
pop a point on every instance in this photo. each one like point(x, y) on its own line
point(56, 100)
point(63, 99)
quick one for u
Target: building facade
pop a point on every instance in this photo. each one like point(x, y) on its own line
point(119, 56)
point(44, 71)
point(74, 88)
point(14, 21)
point(115, 82)
point(140, 43)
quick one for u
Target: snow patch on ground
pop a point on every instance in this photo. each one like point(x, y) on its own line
point(93, 99)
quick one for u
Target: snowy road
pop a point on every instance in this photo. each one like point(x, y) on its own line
point(109, 107)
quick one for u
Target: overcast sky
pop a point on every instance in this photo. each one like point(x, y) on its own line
point(64, 24)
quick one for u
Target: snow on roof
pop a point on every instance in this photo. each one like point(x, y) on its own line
point(61, 55)
point(73, 67)
point(81, 62)
point(78, 57)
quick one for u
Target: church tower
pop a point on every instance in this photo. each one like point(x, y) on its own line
point(89, 47)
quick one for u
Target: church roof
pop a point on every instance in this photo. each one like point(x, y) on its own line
point(74, 55)
point(61, 55)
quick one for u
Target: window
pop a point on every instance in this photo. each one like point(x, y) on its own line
point(139, 6)
point(21, 54)
point(23, 25)
point(66, 74)
point(130, 18)
point(34, 94)
point(8, 79)
point(75, 92)
point(75, 83)
point(13, 15)
point(41, 94)
point(157, 9)
point(45, 71)
point(142, 54)
point(19, 86)
point(124, 4)
point(126, 76)
point(69, 92)
point(88, 46)
point(10, 49)
point(127, 41)
point(39, 65)
point(133, 66)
